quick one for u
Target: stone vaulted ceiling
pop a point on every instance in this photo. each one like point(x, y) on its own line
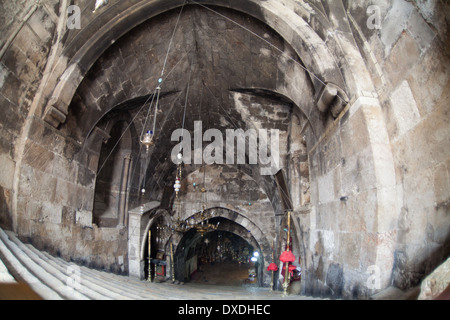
point(224, 66)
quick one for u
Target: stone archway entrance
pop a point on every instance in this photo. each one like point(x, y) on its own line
point(220, 257)
point(224, 259)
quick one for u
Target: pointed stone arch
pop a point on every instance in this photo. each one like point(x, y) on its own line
point(92, 41)
point(237, 224)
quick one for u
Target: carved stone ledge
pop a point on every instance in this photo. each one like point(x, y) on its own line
point(332, 98)
point(54, 116)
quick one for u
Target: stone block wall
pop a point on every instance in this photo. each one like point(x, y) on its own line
point(411, 69)
point(55, 200)
point(27, 31)
point(367, 212)
point(350, 225)
point(46, 180)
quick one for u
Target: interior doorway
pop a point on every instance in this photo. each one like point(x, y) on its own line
point(218, 258)
point(155, 256)
point(224, 258)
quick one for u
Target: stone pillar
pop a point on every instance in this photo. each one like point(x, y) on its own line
point(137, 223)
point(298, 165)
point(123, 193)
point(295, 179)
point(384, 233)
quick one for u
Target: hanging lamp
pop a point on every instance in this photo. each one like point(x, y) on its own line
point(178, 225)
point(200, 220)
point(147, 139)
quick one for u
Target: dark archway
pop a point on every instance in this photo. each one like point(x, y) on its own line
point(154, 254)
point(223, 258)
point(228, 250)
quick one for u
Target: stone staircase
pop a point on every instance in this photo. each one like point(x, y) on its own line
point(55, 279)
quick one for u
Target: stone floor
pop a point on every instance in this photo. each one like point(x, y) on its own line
point(227, 273)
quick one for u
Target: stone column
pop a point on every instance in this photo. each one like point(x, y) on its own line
point(123, 193)
point(295, 179)
point(298, 165)
point(137, 223)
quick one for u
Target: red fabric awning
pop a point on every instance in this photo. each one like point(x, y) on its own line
point(287, 256)
point(272, 267)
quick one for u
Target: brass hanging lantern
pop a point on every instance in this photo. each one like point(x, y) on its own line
point(147, 140)
point(178, 225)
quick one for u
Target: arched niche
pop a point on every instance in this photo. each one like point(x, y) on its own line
point(112, 144)
point(112, 176)
point(229, 221)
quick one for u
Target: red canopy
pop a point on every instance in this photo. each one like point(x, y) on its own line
point(272, 267)
point(287, 256)
point(290, 268)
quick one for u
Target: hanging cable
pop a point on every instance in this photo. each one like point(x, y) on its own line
point(185, 104)
point(148, 139)
point(171, 39)
point(152, 97)
point(185, 107)
point(123, 133)
point(156, 108)
point(148, 113)
point(267, 42)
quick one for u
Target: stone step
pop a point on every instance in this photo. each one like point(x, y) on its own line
point(20, 272)
point(126, 284)
point(130, 286)
point(44, 272)
point(55, 270)
point(53, 278)
point(122, 285)
point(5, 276)
point(90, 283)
point(107, 282)
point(94, 289)
point(142, 288)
